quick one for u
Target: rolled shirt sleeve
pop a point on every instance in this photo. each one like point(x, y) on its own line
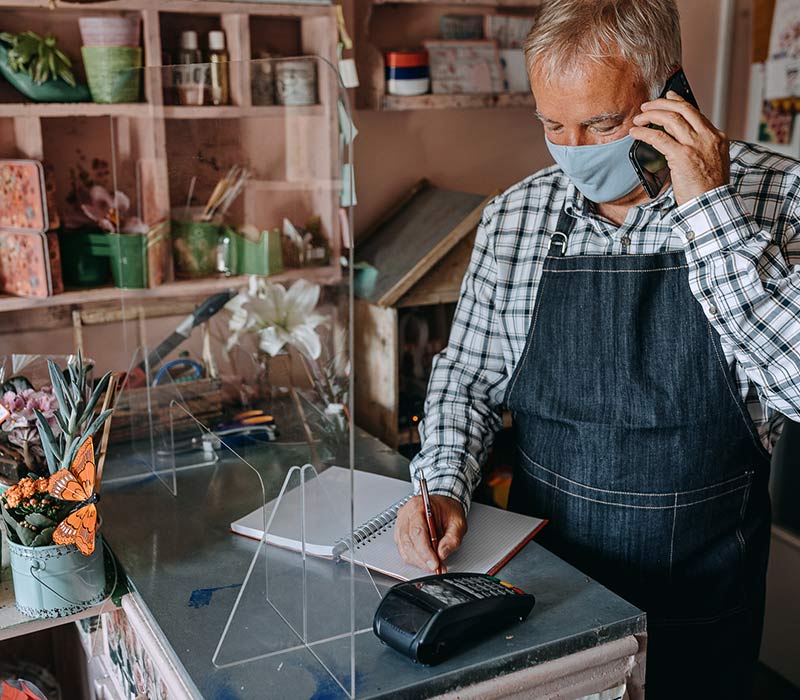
point(468, 378)
point(747, 280)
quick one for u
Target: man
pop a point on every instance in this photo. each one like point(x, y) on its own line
point(647, 355)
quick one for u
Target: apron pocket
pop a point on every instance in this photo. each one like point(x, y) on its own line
point(708, 577)
point(678, 556)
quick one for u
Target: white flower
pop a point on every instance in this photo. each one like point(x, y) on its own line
point(239, 318)
point(280, 317)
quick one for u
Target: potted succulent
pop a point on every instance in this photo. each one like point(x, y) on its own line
point(36, 67)
point(51, 521)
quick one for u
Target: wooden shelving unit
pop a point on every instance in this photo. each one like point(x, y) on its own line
point(493, 100)
point(293, 151)
point(383, 25)
point(179, 288)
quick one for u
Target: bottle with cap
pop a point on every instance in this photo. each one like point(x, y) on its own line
point(190, 74)
point(218, 66)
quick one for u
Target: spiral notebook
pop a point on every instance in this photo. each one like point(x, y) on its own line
point(494, 536)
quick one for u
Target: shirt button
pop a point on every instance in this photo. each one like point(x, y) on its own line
point(625, 241)
point(690, 236)
point(712, 310)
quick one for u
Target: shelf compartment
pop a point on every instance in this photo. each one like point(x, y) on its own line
point(383, 26)
point(278, 36)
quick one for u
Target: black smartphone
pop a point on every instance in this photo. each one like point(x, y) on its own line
point(651, 165)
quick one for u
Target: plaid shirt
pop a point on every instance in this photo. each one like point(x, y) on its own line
point(741, 242)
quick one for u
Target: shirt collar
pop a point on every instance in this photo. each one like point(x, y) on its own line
point(575, 204)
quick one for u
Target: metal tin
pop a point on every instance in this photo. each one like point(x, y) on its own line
point(296, 82)
point(57, 580)
point(262, 81)
point(407, 72)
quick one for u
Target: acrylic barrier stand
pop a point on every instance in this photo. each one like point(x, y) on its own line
point(238, 324)
point(292, 600)
point(143, 431)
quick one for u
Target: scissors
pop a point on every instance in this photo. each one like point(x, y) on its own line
point(244, 429)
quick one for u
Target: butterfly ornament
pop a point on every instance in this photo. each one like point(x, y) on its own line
point(77, 484)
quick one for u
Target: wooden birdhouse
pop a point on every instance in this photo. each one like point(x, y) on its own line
point(420, 249)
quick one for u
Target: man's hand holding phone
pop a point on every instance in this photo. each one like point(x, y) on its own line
point(411, 531)
point(697, 152)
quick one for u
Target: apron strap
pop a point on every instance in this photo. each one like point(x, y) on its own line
point(558, 240)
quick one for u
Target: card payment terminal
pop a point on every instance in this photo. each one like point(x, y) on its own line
point(429, 618)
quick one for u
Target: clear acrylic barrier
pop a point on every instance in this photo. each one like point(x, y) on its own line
point(241, 347)
point(143, 430)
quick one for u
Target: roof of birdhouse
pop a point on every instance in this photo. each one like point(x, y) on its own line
point(429, 232)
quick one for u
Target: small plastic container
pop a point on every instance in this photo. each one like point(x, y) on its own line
point(110, 30)
point(113, 72)
point(407, 72)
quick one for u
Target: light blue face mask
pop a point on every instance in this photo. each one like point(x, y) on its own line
point(601, 172)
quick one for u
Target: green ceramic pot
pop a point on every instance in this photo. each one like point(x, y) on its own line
point(51, 91)
point(114, 72)
point(58, 580)
point(195, 245)
point(262, 258)
point(128, 259)
point(84, 258)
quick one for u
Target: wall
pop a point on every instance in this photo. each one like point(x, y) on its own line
point(484, 150)
point(473, 150)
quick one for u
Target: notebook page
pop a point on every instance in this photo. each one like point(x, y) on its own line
point(493, 534)
point(327, 500)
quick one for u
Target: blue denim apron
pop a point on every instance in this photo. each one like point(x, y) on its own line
point(634, 443)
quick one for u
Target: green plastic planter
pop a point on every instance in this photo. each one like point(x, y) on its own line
point(262, 258)
point(128, 252)
point(58, 580)
point(195, 245)
point(113, 72)
point(84, 258)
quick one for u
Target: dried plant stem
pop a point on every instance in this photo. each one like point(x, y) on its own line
point(111, 392)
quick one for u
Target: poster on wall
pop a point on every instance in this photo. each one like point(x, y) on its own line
point(782, 76)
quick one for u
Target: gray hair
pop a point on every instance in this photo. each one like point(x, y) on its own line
point(643, 33)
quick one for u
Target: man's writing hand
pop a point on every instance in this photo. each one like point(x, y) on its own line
point(411, 531)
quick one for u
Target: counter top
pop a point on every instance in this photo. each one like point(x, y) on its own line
point(188, 568)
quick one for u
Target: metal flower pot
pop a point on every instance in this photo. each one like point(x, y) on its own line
point(57, 580)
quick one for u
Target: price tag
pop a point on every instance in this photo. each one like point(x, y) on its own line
point(347, 69)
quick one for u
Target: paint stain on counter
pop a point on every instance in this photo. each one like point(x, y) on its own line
point(220, 688)
point(201, 597)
